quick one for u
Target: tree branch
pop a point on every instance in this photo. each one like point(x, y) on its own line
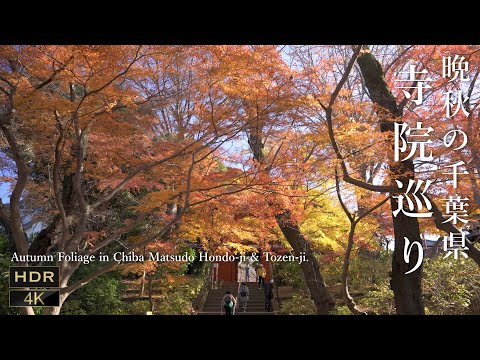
point(59, 145)
point(8, 82)
point(55, 72)
point(346, 176)
point(350, 302)
point(340, 84)
point(397, 58)
point(339, 196)
point(167, 227)
point(16, 225)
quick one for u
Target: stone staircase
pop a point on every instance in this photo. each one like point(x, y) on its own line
point(255, 306)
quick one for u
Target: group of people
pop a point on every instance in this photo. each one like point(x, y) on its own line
point(229, 301)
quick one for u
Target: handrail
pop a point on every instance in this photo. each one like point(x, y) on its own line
point(199, 302)
point(238, 294)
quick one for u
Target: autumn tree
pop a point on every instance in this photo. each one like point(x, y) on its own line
point(79, 125)
point(268, 105)
point(407, 288)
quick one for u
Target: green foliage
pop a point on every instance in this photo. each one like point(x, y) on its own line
point(379, 300)
point(100, 296)
point(341, 310)
point(176, 303)
point(298, 305)
point(178, 299)
point(5, 262)
point(172, 297)
point(289, 274)
point(451, 286)
point(137, 307)
point(367, 272)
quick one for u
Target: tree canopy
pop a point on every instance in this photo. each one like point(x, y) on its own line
point(168, 148)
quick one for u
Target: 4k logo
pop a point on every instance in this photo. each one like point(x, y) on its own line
point(23, 298)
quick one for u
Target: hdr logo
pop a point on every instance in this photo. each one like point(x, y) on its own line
point(32, 286)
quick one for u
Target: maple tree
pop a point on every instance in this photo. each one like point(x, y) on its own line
point(231, 147)
point(407, 289)
point(79, 124)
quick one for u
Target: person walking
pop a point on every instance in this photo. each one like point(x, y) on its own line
point(228, 303)
point(261, 273)
point(268, 289)
point(247, 273)
point(243, 296)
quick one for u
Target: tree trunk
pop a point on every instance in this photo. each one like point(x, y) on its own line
point(406, 288)
point(310, 268)
point(142, 290)
point(52, 310)
point(66, 271)
point(5, 224)
point(290, 229)
point(44, 240)
point(352, 306)
point(150, 295)
point(27, 310)
point(42, 243)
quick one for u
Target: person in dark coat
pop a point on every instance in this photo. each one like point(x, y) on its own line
point(269, 296)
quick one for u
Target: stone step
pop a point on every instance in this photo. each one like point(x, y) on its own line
point(249, 306)
point(236, 292)
point(249, 303)
point(236, 313)
point(251, 297)
point(235, 289)
point(249, 310)
point(219, 301)
point(255, 305)
point(217, 305)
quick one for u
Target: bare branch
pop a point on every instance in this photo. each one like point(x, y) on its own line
point(372, 209)
point(115, 235)
point(59, 145)
point(339, 196)
point(397, 58)
point(346, 176)
point(345, 76)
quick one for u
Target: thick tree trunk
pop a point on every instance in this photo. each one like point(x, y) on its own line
point(45, 238)
point(27, 310)
point(16, 226)
point(66, 271)
point(290, 229)
point(52, 310)
point(406, 288)
point(5, 224)
point(310, 268)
